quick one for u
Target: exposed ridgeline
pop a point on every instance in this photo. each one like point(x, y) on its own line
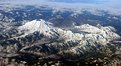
point(42, 40)
point(68, 41)
point(61, 40)
point(60, 17)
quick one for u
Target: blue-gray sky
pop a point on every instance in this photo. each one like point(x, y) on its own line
point(111, 5)
point(73, 1)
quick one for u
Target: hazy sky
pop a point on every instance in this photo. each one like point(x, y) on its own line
point(113, 5)
point(73, 1)
point(116, 4)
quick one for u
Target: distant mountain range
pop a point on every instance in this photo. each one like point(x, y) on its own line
point(51, 32)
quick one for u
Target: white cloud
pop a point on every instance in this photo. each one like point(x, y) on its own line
point(113, 6)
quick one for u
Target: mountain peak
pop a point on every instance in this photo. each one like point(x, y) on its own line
point(33, 26)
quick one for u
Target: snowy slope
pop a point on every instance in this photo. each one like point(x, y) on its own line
point(57, 40)
point(107, 32)
point(84, 32)
point(39, 26)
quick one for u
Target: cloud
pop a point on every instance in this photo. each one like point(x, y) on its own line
point(113, 6)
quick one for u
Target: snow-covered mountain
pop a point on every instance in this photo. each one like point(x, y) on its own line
point(39, 26)
point(56, 29)
point(81, 31)
point(85, 35)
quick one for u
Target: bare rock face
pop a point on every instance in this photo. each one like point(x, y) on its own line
point(48, 37)
point(41, 38)
point(68, 41)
